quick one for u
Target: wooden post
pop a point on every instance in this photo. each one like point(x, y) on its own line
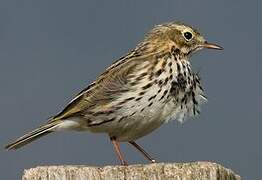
point(157, 171)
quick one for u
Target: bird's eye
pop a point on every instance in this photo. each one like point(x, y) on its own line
point(188, 35)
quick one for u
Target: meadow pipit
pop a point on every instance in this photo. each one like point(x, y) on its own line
point(139, 92)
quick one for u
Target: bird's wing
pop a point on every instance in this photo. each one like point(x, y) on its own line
point(108, 86)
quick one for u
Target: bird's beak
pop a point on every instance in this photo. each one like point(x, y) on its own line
point(211, 46)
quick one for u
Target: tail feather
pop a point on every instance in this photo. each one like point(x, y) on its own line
point(33, 135)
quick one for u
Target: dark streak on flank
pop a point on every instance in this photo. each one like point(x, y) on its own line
point(151, 76)
point(123, 117)
point(132, 114)
point(106, 121)
point(142, 93)
point(137, 99)
point(147, 86)
point(152, 97)
point(164, 94)
point(103, 112)
point(166, 80)
point(160, 82)
point(117, 107)
point(150, 104)
point(159, 72)
point(126, 100)
point(133, 83)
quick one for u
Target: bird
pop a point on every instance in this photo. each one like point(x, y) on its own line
point(149, 86)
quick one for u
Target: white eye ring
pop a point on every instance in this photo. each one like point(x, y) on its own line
point(188, 35)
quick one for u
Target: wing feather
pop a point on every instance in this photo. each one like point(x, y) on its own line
point(109, 85)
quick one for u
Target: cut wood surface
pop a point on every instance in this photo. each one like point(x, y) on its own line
point(157, 171)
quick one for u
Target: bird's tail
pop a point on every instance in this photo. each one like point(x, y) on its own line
point(33, 135)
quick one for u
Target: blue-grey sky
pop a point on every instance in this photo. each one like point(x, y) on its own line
point(50, 50)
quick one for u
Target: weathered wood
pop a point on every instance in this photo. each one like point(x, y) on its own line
point(158, 171)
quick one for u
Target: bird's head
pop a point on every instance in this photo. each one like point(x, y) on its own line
point(183, 37)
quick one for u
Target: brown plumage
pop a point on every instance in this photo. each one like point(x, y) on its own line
point(138, 92)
